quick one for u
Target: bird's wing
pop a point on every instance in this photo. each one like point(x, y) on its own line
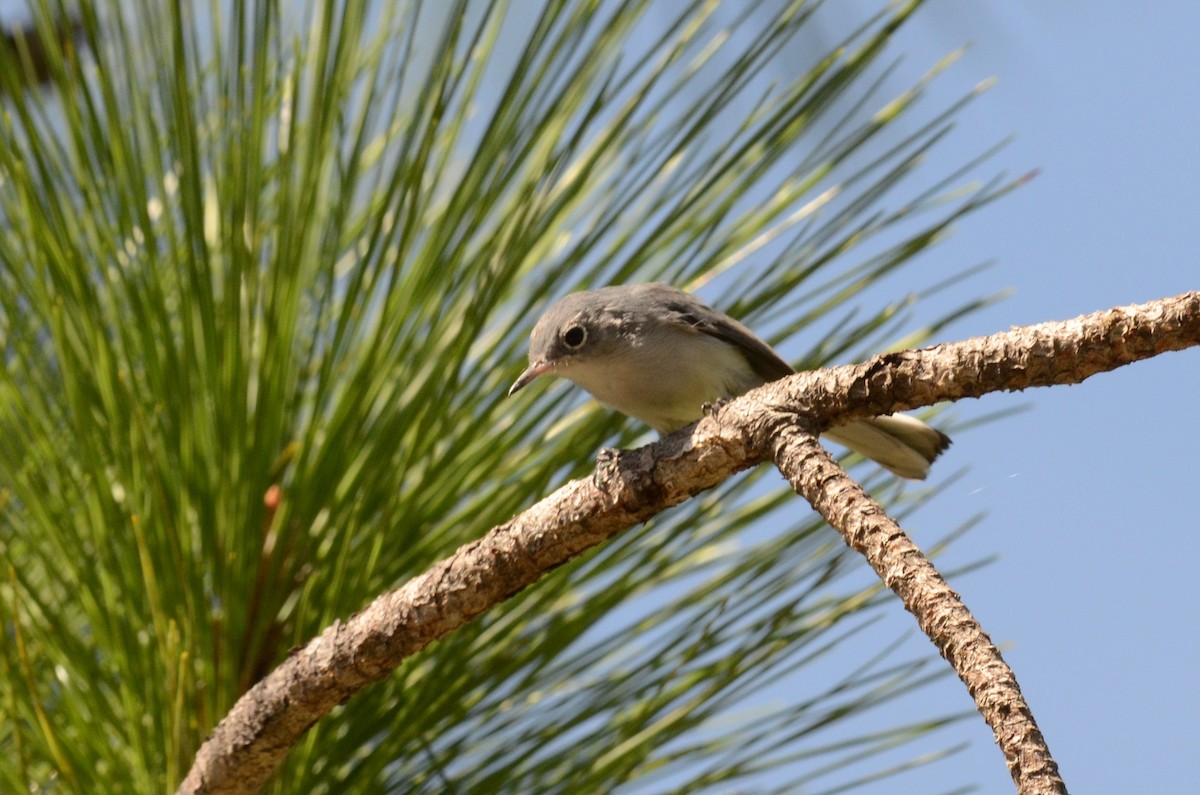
point(688, 311)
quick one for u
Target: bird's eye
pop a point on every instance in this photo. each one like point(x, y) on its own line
point(574, 337)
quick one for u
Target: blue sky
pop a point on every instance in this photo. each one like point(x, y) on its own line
point(1089, 494)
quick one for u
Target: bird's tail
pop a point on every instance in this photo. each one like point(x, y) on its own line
point(899, 443)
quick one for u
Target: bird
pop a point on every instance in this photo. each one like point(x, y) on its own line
point(660, 355)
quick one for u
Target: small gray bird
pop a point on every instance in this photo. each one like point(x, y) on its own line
point(658, 354)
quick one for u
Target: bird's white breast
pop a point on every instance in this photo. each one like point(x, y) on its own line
point(665, 381)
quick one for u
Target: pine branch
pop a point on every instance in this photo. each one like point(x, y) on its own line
point(778, 421)
point(944, 619)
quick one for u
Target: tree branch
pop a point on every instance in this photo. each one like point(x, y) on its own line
point(629, 488)
point(939, 611)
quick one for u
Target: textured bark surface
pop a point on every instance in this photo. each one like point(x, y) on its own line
point(626, 489)
point(939, 611)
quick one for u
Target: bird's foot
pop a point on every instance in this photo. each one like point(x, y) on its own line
point(607, 455)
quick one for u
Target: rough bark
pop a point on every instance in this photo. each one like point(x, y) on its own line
point(939, 611)
point(773, 422)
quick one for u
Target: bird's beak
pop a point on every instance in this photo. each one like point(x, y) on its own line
point(531, 372)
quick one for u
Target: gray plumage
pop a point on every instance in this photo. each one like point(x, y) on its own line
point(658, 354)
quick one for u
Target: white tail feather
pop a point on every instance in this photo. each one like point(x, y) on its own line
point(899, 443)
